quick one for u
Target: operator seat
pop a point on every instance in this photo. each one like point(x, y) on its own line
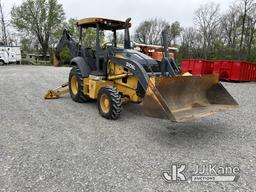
point(89, 57)
point(102, 60)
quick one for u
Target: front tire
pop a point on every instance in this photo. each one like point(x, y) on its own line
point(109, 103)
point(76, 86)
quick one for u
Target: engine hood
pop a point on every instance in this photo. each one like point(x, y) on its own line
point(136, 56)
point(145, 61)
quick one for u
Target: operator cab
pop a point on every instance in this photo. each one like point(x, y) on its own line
point(99, 56)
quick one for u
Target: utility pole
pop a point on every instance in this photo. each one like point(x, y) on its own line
point(4, 35)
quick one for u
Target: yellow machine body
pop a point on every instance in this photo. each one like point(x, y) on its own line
point(164, 93)
point(118, 77)
point(123, 80)
point(179, 99)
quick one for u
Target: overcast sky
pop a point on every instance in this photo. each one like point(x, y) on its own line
point(138, 10)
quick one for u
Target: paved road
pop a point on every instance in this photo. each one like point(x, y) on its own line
point(60, 145)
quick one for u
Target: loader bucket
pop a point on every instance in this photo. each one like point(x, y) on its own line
point(185, 98)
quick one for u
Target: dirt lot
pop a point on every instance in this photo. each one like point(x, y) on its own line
point(60, 145)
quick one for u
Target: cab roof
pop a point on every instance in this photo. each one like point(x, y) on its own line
point(105, 24)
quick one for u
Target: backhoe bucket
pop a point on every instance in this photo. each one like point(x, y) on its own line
point(185, 98)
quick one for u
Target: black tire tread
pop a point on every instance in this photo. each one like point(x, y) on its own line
point(80, 97)
point(116, 102)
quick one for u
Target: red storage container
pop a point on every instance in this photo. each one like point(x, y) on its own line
point(197, 67)
point(253, 72)
point(235, 70)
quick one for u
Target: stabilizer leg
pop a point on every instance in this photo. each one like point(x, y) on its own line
point(57, 92)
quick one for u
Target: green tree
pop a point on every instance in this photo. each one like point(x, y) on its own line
point(3, 25)
point(175, 32)
point(38, 19)
point(149, 31)
point(207, 19)
point(65, 56)
point(26, 44)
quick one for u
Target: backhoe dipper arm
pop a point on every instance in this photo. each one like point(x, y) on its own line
point(68, 42)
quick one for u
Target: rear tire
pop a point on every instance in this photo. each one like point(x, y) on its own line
point(76, 86)
point(109, 103)
point(1, 62)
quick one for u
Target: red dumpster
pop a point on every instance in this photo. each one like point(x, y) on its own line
point(253, 72)
point(196, 67)
point(235, 70)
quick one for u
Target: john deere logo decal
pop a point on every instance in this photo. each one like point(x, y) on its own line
point(130, 66)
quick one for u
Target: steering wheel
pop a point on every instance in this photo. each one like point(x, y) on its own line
point(108, 44)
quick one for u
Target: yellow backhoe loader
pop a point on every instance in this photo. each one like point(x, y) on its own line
point(114, 76)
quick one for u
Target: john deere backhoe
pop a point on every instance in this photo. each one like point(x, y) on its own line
point(114, 76)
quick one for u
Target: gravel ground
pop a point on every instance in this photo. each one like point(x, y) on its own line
point(60, 145)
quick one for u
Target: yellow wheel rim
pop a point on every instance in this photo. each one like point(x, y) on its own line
point(104, 103)
point(74, 85)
